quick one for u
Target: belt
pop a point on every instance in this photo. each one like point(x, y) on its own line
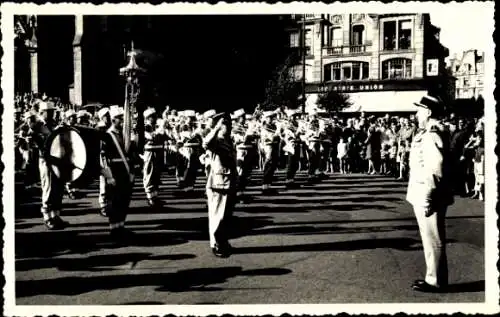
point(116, 160)
point(153, 147)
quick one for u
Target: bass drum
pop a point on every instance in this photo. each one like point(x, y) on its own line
point(73, 154)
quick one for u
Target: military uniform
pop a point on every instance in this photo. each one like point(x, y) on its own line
point(117, 166)
point(314, 146)
point(102, 127)
point(429, 194)
point(52, 187)
point(292, 148)
point(221, 190)
point(270, 152)
point(154, 144)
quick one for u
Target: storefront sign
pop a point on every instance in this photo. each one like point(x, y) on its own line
point(380, 85)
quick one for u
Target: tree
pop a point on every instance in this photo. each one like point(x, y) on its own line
point(333, 101)
point(283, 89)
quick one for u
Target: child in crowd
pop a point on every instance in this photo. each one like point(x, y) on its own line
point(341, 155)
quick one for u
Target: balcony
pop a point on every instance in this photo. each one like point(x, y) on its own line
point(357, 49)
point(333, 50)
point(344, 50)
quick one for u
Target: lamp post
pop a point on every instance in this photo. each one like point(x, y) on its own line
point(132, 73)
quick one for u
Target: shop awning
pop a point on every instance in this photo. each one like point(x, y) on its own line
point(379, 101)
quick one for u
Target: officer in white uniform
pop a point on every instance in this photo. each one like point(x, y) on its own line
point(429, 193)
point(221, 184)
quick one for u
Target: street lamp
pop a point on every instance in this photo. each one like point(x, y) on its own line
point(132, 73)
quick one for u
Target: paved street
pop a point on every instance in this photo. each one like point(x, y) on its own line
point(351, 238)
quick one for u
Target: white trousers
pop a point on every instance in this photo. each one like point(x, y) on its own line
point(219, 212)
point(433, 234)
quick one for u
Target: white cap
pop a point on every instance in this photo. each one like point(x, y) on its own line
point(69, 113)
point(189, 113)
point(46, 105)
point(238, 113)
point(209, 113)
point(82, 113)
point(267, 114)
point(248, 116)
point(29, 114)
point(115, 112)
point(148, 112)
point(102, 112)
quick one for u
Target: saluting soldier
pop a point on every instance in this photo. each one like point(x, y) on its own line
point(119, 173)
point(221, 184)
point(429, 192)
point(153, 147)
point(102, 126)
point(52, 187)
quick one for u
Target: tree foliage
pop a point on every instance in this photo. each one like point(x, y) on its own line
point(333, 101)
point(283, 89)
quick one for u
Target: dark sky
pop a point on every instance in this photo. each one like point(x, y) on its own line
point(216, 60)
point(207, 60)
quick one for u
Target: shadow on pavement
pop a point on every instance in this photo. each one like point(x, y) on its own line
point(469, 287)
point(49, 244)
point(96, 263)
point(404, 244)
point(181, 281)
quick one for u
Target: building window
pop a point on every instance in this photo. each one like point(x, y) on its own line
point(389, 35)
point(357, 34)
point(336, 37)
point(308, 41)
point(365, 71)
point(457, 68)
point(294, 39)
point(466, 82)
point(396, 68)
point(346, 71)
point(404, 31)
point(397, 36)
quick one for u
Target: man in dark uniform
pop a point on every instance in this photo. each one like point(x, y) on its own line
point(119, 173)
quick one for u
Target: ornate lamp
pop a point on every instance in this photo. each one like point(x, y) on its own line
point(132, 73)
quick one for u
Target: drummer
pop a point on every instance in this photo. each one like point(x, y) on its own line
point(70, 118)
point(52, 187)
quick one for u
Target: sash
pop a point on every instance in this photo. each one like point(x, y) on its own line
point(122, 156)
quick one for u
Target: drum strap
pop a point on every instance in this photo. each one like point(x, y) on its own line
point(120, 152)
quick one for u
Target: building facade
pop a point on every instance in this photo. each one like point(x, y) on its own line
point(468, 69)
point(385, 62)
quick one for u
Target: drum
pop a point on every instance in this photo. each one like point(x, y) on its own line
point(73, 154)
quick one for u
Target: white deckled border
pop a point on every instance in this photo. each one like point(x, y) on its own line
point(491, 231)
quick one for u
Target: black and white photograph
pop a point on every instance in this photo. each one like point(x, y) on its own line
point(189, 159)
